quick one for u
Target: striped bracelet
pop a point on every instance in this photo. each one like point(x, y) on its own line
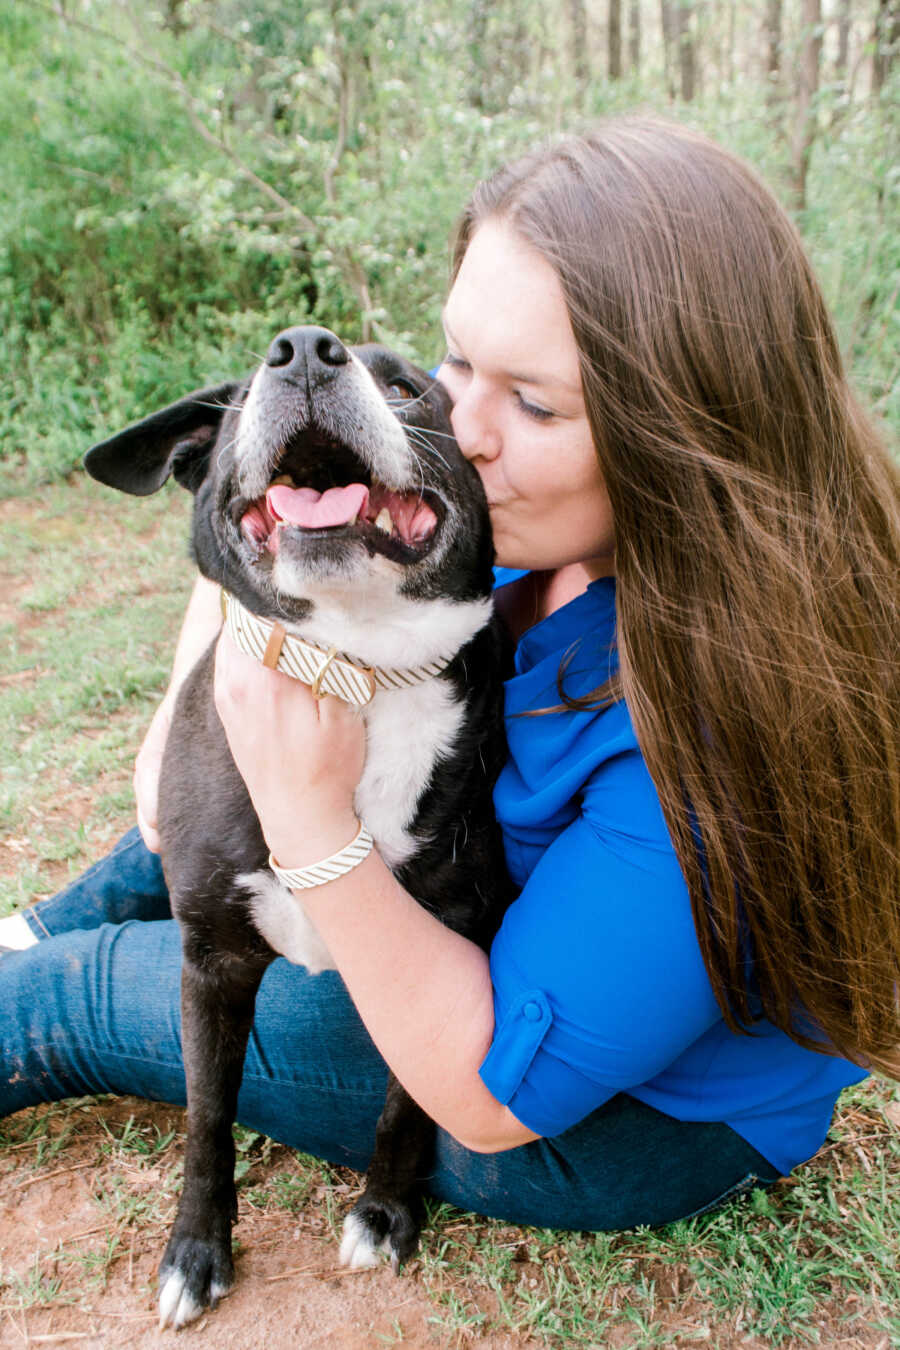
point(318, 874)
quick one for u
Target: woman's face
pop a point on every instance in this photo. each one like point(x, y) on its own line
point(518, 410)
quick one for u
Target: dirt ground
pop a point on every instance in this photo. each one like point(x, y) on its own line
point(83, 1228)
point(289, 1289)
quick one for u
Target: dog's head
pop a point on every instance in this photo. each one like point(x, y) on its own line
point(329, 477)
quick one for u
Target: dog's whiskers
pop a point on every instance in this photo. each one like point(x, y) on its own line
point(283, 607)
point(218, 407)
point(422, 445)
point(229, 445)
point(417, 438)
point(430, 431)
point(406, 402)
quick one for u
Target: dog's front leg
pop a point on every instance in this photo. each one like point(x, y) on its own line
point(217, 1012)
point(388, 1215)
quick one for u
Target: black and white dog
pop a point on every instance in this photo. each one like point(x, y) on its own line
point(330, 497)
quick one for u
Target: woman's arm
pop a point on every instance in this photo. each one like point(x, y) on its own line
point(423, 992)
point(425, 996)
point(201, 623)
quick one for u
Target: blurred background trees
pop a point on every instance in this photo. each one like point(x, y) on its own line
point(187, 177)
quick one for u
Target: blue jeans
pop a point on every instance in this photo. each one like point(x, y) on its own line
point(95, 1007)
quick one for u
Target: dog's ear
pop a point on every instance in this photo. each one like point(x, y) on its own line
point(176, 440)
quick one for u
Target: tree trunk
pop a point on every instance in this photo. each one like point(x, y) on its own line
point(615, 39)
point(807, 87)
point(634, 36)
point(685, 42)
point(885, 42)
point(523, 48)
point(843, 51)
point(773, 39)
point(478, 54)
point(173, 18)
point(578, 24)
point(668, 32)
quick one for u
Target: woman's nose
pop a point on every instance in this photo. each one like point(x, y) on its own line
point(473, 427)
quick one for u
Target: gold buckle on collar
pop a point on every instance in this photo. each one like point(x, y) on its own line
point(316, 684)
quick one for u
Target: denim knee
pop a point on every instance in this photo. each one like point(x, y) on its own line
point(127, 884)
point(625, 1165)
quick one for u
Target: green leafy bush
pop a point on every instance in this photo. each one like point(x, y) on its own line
point(179, 186)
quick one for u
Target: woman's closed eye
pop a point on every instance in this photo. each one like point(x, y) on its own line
point(533, 410)
point(456, 362)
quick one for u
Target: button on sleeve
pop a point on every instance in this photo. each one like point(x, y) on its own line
point(516, 1042)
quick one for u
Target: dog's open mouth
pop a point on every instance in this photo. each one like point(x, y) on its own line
point(323, 490)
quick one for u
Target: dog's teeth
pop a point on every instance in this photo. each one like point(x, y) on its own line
point(383, 521)
point(354, 518)
point(283, 479)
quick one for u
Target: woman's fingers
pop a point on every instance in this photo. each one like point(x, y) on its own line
point(300, 757)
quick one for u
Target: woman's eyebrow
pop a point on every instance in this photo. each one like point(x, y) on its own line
point(540, 381)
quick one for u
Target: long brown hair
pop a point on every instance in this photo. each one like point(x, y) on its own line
point(757, 519)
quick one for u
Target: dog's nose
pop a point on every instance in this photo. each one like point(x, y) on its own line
point(298, 352)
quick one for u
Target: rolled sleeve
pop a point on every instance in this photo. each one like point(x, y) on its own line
point(516, 1042)
point(598, 980)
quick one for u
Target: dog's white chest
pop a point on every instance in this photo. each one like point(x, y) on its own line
point(407, 732)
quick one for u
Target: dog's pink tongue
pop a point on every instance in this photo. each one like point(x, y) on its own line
point(313, 510)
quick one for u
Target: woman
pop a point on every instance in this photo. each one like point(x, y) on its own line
point(701, 799)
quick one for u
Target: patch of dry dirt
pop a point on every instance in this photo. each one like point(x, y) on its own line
point(94, 1217)
point(289, 1290)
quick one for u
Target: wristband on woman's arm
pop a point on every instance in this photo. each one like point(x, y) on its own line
point(329, 869)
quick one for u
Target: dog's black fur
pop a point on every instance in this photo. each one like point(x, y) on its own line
point(306, 411)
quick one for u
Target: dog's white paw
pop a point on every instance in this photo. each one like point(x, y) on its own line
point(360, 1250)
point(178, 1306)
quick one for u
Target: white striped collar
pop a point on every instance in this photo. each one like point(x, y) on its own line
point(327, 671)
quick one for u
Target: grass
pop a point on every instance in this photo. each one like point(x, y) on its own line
point(92, 589)
point(817, 1256)
point(93, 586)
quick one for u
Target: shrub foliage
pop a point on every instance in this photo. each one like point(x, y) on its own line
point(183, 181)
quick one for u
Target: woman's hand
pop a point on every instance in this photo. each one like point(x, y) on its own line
point(300, 757)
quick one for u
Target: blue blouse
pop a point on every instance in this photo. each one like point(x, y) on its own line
point(599, 985)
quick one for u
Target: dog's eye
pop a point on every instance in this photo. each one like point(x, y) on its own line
point(400, 389)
